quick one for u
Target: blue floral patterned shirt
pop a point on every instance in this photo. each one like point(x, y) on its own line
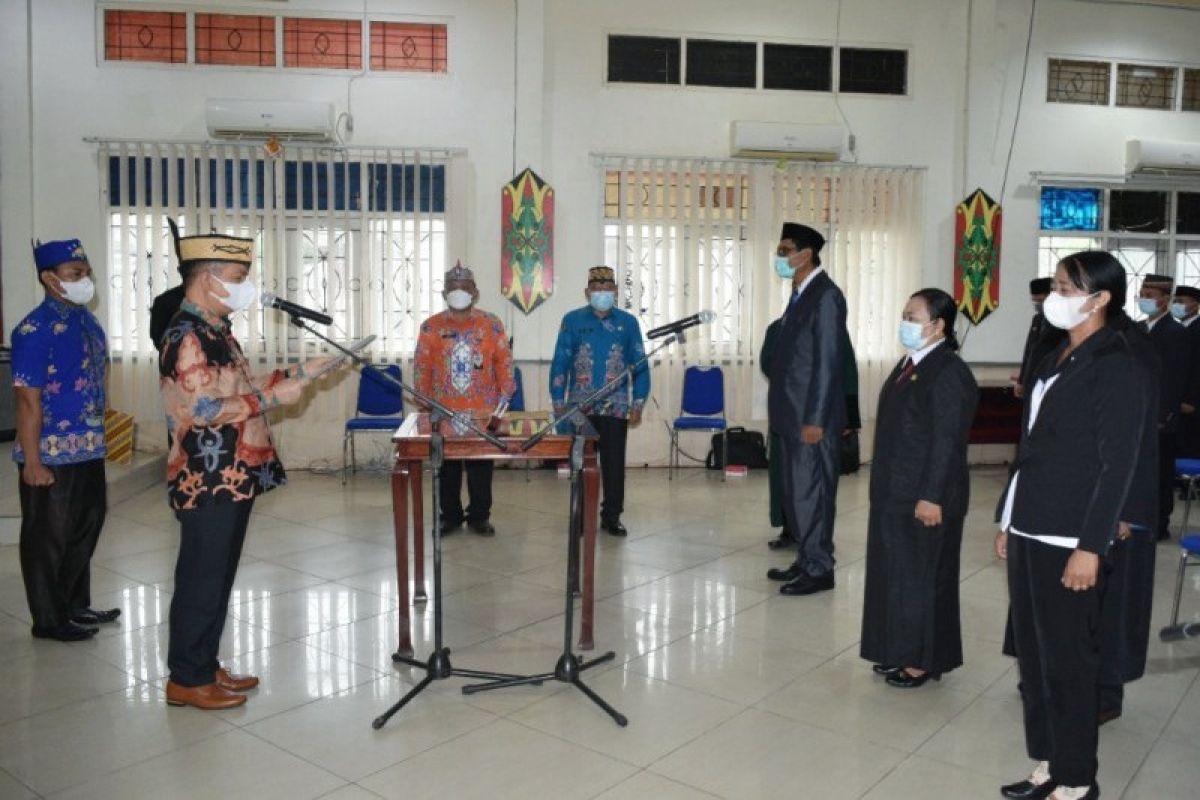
point(60, 348)
point(590, 352)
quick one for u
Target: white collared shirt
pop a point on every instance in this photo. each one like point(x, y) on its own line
point(1150, 323)
point(1187, 321)
point(1035, 405)
point(918, 356)
point(804, 283)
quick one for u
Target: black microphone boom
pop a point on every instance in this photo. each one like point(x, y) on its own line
point(294, 310)
point(700, 318)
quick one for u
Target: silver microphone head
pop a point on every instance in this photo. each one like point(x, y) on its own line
point(266, 299)
point(707, 315)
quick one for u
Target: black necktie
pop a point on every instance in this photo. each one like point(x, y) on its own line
point(907, 372)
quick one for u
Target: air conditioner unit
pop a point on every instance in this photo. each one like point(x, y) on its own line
point(787, 140)
point(1156, 156)
point(292, 120)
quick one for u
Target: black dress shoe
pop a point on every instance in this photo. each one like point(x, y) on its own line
point(614, 527)
point(482, 528)
point(1107, 715)
point(883, 669)
point(903, 679)
point(95, 616)
point(1028, 790)
point(783, 541)
point(790, 574)
point(68, 632)
point(450, 527)
point(808, 584)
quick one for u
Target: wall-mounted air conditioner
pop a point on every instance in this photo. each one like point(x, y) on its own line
point(290, 120)
point(1156, 156)
point(787, 140)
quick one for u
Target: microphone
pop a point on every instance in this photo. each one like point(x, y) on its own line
point(291, 309)
point(700, 318)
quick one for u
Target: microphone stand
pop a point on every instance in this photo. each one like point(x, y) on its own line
point(437, 666)
point(570, 666)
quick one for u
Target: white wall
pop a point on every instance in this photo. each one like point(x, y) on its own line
point(564, 111)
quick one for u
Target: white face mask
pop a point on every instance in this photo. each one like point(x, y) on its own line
point(459, 299)
point(910, 336)
point(1065, 312)
point(241, 295)
point(79, 292)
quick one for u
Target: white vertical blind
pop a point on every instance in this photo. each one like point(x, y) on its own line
point(359, 233)
point(686, 235)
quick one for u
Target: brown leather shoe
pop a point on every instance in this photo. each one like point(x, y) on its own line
point(208, 697)
point(235, 683)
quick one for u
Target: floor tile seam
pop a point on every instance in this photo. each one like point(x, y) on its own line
point(1161, 734)
point(651, 767)
point(704, 692)
point(580, 745)
point(231, 727)
point(300, 640)
point(411, 756)
point(244, 730)
point(20, 782)
point(646, 771)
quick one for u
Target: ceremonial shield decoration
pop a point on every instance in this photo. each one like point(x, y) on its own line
point(977, 256)
point(527, 241)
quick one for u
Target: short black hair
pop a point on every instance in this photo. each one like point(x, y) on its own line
point(941, 306)
point(1095, 271)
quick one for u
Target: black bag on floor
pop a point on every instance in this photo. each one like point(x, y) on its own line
point(745, 447)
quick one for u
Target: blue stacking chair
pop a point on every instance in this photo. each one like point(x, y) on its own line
point(380, 407)
point(702, 409)
point(1188, 471)
point(517, 403)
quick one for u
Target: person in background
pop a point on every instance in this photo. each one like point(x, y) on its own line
point(1185, 307)
point(595, 344)
point(1068, 489)
point(1172, 343)
point(920, 489)
point(59, 364)
point(1041, 339)
point(463, 360)
point(807, 407)
point(221, 459)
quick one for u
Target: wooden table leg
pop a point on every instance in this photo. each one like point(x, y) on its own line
point(400, 483)
point(418, 504)
point(591, 499)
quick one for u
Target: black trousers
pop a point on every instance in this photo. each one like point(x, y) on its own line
point(614, 433)
point(1168, 444)
point(1057, 636)
point(810, 479)
point(60, 525)
point(479, 491)
point(210, 546)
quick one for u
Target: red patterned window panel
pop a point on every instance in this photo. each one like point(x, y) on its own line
point(322, 43)
point(408, 47)
point(236, 39)
point(157, 36)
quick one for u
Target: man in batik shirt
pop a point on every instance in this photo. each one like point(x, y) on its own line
point(595, 344)
point(59, 360)
point(464, 362)
point(221, 458)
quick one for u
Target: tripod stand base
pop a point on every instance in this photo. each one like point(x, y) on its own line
point(567, 670)
point(437, 668)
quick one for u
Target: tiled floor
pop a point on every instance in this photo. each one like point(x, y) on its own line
point(731, 690)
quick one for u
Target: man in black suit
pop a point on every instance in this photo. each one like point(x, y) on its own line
point(807, 407)
point(1185, 307)
point(1041, 339)
point(1172, 343)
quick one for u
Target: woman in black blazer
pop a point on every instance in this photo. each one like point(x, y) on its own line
point(919, 493)
point(1080, 443)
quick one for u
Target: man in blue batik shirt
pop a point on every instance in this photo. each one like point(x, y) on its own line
point(59, 361)
point(595, 344)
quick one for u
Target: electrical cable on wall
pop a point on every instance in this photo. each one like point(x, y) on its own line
point(837, 102)
point(1020, 97)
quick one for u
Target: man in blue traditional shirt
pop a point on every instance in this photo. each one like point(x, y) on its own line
point(595, 344)
point(59, 360)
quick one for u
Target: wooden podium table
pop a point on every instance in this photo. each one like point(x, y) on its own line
point(412, 441)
